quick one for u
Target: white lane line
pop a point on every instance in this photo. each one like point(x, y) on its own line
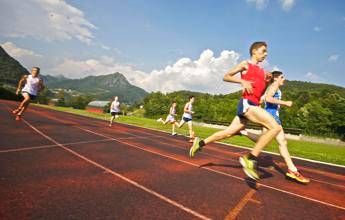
point(160, 196)
point(52, 145)
point(216, 171)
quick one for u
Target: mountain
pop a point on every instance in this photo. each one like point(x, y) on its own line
point(10, 69)
point(101, 87)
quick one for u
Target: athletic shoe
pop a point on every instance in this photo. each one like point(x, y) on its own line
point(110, 125)
point(15, 111)
point(249, 167)
point(159, 120)
point(191, 140)
point(18, 118)
point(297, 176)
point(195, 147)
point(174, 134)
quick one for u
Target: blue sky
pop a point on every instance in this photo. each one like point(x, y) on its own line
point(171, 42)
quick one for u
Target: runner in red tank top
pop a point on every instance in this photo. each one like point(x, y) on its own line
point(255, 75)
point(253, 81)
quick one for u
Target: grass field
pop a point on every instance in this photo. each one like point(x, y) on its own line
point(321, 152)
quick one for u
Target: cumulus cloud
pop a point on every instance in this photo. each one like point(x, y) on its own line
point(259, 4)
point(18, 52)
point(333, 58)
point(203, 74)
point(287, 4)
point(51, 20)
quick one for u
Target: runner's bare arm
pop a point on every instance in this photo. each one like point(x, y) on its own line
point(269, 96)
point(186, 109)
point(240, 68)
point(21, 83)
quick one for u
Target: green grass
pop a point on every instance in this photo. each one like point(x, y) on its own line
point(315, 151)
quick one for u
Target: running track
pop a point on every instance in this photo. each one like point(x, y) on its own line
point(56, 165)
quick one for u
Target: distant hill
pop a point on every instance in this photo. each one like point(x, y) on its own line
point(318, 109)
point(101, 87)
point(10, 69)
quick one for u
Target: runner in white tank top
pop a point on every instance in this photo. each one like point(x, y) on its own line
point(171, 118)
point(187, 117)
point(33, 84)
point(115, 110)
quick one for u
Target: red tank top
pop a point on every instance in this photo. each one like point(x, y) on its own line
point(256, 75)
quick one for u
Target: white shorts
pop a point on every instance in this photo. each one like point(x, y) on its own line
point(171, 119)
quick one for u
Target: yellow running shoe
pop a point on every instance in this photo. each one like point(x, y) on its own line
point(195, 147)
point(297, 176)
point(249, 167)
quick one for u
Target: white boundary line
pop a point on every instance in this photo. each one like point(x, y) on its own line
point(216, 171)
point(19, 149)
point(160, 196)
point(163, 155)
point(231, 145)
point(50, 146)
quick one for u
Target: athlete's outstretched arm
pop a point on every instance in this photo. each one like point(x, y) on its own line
point(230, 76)
point(269, 96)
point(21, 83)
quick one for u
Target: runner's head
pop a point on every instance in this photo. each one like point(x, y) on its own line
point(173, 104)
point(278, 76)
point(258, 51)
point(116, 98)
point(191, 99)
point(35, 71)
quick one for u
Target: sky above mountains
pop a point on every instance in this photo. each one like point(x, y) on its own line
point(173, 45)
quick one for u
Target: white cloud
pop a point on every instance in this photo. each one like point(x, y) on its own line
point(51, 20)
point(287, 4)
point(262, 4)
point(259, 4)
point(312, 77)
point(333, 58)
point(104, 47)
point(204, 74)
point(18, 52)
point(317, 29)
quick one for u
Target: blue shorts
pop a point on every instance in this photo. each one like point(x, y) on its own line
point(243, 106)
point(275, 114)
point(186, 119)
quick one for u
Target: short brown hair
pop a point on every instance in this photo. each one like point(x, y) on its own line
point(256, 45)
point(37, 68)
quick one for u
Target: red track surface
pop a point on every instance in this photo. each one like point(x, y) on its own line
point(56, 165)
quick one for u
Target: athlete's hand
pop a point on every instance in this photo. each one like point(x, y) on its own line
point(268, 76)
point(247, 86)
point(17, 92)
point(192, 112)
point(288, 103)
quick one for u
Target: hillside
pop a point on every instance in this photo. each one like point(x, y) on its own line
point(10, 69)
point(101, 87)
point(318, 109)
